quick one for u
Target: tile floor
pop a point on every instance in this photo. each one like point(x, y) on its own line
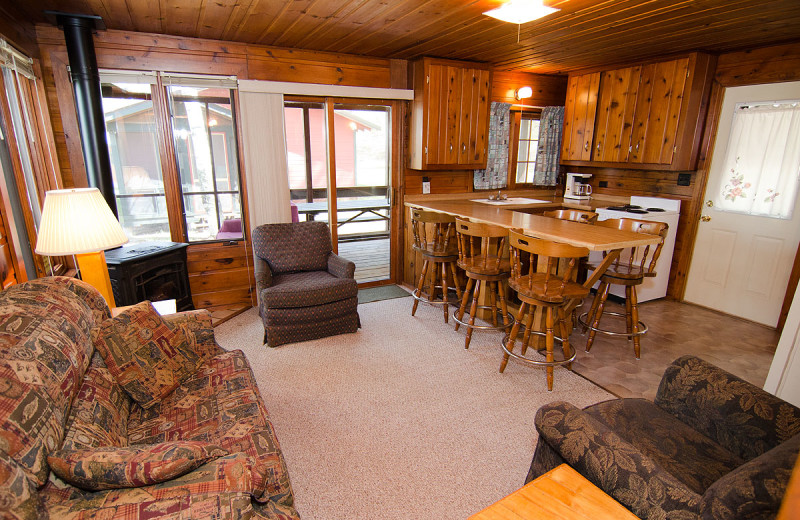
point(738, 346)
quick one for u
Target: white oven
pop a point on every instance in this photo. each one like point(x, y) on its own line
point(658, 210)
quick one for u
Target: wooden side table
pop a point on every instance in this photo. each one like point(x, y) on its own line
point(559, 494)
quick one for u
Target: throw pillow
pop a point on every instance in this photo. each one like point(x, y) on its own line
point(133, 466)
point(146, 355)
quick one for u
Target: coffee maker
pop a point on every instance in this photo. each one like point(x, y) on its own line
point(575, 189)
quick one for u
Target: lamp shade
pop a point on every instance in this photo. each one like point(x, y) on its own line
point(77, 221)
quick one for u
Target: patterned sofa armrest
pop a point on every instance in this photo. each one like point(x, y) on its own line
point(228, 488)
point(754, 489)
point(609, 462)
point(340, 267)
point(197, 325)
point(736, 414)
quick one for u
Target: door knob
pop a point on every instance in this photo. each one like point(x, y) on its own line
point(705, 218)
point(710, 203)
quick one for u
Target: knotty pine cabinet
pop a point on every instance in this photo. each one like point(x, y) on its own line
point(643, 116)
point(449, 114)
point(579, 115)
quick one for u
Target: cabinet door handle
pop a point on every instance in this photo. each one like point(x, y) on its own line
point(586, 146)
point(451, 147)
point(463, 147)
point(598, 147)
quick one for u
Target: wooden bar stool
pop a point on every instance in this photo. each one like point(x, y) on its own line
point(575, 215)
point(434, 239)
point(542, 274)
point(630, 269)
point(480, 255)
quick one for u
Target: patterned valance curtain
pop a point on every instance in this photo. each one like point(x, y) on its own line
point(762, 161)
point(495, 176)
point(551, 127)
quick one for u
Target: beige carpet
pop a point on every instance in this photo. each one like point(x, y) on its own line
point(398, 421)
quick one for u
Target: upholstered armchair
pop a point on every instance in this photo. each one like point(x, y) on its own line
point(305, 291)
point(711, 446)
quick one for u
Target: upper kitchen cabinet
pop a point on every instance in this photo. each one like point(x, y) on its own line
point(579, 114)
point(647, 116)
point(449, 114)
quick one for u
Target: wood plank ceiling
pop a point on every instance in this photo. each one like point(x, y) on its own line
point(584, 34)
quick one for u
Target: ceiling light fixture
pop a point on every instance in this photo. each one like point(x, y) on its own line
point(521, 11)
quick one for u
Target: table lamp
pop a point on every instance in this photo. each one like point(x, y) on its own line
point(79, 222)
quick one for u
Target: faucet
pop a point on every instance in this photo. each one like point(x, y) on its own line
point(499, 196)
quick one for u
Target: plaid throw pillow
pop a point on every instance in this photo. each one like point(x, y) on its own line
point(96, 469)
point(147, 356)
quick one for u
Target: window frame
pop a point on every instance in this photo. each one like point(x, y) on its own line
point(173, 190)
point(513, 143)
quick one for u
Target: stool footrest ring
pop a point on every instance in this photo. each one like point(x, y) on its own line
point(630, 335)
point(537, 362)
point(485, 327)
point(423, 299)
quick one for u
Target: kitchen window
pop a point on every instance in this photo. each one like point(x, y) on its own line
point(523, 147)
point(527, 147)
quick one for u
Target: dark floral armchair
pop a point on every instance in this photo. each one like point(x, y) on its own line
point(711, 446)
point(305, 291)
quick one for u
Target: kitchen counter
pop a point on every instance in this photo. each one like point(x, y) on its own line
point(514, 216)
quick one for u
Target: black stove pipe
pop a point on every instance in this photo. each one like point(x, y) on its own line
point(78, 31)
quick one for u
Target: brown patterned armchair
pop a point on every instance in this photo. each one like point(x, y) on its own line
point(711, 446)
point(305, 291)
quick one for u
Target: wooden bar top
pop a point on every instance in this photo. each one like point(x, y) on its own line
point(595, 238)
point(560, 494)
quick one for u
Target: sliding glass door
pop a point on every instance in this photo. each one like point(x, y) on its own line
point(339, 160)
point(363, 187)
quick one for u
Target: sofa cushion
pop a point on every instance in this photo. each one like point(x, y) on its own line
point(146, 355)
point(45, 348)
point(220, 400)
point(307, 289)
point(133, 466)
point(689, 456)
point(300, 246)
point(220, 403)
point(99, 414)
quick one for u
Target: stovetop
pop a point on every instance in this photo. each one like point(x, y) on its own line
point(633, 208)
point(647, 205)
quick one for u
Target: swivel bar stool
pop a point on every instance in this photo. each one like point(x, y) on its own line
point(629, 270)
point(434, 239)
point(542, 273)
point(480, 255)
point(575, 215)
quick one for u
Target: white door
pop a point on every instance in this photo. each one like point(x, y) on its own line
point(741, 262)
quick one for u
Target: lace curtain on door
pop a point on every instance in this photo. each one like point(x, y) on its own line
point(762, 161)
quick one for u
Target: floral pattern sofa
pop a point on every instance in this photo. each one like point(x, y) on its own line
point(711, 446)
point(204, 449)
